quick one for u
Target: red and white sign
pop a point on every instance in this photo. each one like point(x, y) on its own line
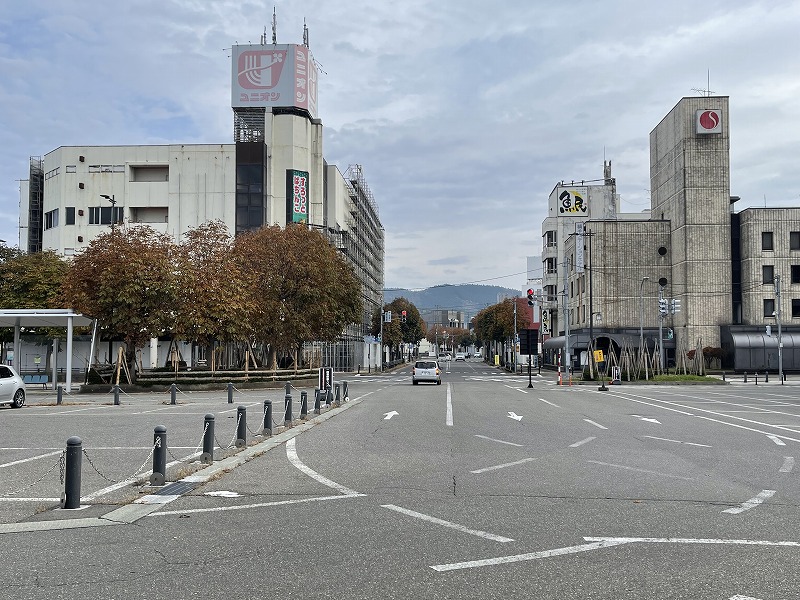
point(708, 121)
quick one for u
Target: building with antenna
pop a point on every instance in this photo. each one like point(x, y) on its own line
point(273, 173)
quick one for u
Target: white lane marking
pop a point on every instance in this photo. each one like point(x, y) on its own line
point(500, 560)
point(121, 484)
point(24, 460)
point(390, 414)
point(595, 424)
point(291, 454)
point(503, 466)
point(777, 440)
point(30, 499)
point(652, 437)
point(513, 388)
point(753, 502)
point(648, 419)
point(576, 444)
point(740, 597)
point(634, 540)
point(443, 523)
point(249, 506)
point(605, 464)
point(788, 464)
point(515, 416)
point(498, 441)
point(449, 418)
point(550, 403)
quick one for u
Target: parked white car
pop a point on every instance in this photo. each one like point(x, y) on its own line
point(12, 387)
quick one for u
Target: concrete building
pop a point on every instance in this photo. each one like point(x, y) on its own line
point(273, 173)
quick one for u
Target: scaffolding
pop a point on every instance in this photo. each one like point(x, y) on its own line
point(249, 124)
point(35, 203)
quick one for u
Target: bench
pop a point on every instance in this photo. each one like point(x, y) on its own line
point(36, 379)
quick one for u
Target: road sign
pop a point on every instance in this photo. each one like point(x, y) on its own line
point(528, 341)
point(598, 356)
point(325, 381)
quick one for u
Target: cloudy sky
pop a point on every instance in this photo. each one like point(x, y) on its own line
point(463, 114)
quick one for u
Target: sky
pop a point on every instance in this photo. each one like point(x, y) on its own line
point(462, 114)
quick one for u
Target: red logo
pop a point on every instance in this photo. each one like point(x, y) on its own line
point(709, 119)
point(260, 69)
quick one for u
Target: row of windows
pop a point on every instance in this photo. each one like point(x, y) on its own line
point(98, 215)
point(769, 307)
point(768, 240)
point(768, 274)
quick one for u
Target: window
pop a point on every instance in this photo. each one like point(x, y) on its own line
point(769, 307)
point(51, 219)
point(768, 274)
point(550, 239)
point(795, 273)
point(794, 240)
point(69, 217)
point(72, 169)
point(101, 215)
point(766, 241)
point(551, 266)
point(795, 308)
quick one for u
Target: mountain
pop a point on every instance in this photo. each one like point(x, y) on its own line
point(469, 298)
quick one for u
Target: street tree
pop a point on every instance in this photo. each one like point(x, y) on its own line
point(398, 332)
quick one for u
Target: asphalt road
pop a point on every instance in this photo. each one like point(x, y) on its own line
point(478, 488)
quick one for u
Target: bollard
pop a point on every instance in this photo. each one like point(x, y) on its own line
point(288, 391)
point(173, 392)
point(328, 396)
point(303, 405)
point(268, 417)
point(723, 376)
point(317, 401)
point(241, 426)
point(756, 375)
point(745, 377)
point(72, 474)
point(287, 411)
point(766, 376)
point(338, 389)
point(230, 393)
point(116, 395)
point(60, 396)
point(159, 473)
point(207, 457)
point(345, 391)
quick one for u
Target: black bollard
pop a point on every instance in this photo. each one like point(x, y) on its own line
point(723, 376)
point(173, 393)
point(72, 474)
point(159, 456)
point(745, 376)
point(756, 377)
point(207, 457)
point(268, 417)
point(230, 393)
point(116, 395)
point(303, 405)
point(328, 396)
point(317, 401)
point(287, 410)
point(766, 376)
point(338, 389)
point(345, 391)
point(288, 389)
point(241, 426)
point(60, 395)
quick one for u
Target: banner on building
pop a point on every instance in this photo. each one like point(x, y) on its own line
point(573, 201)
point(296, 196)
point(579, 263)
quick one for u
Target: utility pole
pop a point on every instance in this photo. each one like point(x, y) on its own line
point(778, 319)
point(641, 321)
point(661, 326)
point(514, 360)
point(566, 360)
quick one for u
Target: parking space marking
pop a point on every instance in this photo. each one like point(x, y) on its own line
point(652, 437)
point(753, 502)
point(605, 464)
point(256, 505)
point(449, 417)
point(595, 424)
point(291, 454)
point(24, 460)
point(550, 403)
point(582, 442)
point(498, 441)
point(443, 523)
point(503, 466)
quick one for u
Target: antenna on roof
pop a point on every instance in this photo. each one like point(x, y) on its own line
point(274, 26)
point(264, 36)
point(706, 92)
point(305, 33)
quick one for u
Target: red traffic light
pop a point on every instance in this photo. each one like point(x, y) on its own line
point(403, 313)
point(530, 292)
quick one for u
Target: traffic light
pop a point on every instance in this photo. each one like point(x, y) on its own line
point(662, 306)
point(403, 316)
point(676, 306)
point(530, 297)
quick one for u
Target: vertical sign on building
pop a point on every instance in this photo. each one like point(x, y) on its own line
point(545, 322)
point(296, 196)
point(579, 263)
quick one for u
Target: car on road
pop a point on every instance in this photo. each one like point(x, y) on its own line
point(12, 387)
point(461, 356)
point(426, 370)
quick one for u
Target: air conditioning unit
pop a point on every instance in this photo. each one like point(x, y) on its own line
point(80, 238)
point(80, 186)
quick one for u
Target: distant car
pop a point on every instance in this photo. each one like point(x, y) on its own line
point(426, 370)
point(461, 356)
point(12, 387)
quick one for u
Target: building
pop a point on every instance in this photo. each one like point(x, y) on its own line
point(273, 173)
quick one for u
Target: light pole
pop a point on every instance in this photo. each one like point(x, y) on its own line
point(113, 207)
point(778, 319)
point(641, 315)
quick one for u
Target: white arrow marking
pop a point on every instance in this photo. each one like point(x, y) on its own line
point(777, 440)
point(648, 419)
point(389, 415)
point(755, 501)
point(515, 416)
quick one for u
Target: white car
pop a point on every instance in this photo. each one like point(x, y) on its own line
point(426, 370)
point(461, 356)
point(12, 387)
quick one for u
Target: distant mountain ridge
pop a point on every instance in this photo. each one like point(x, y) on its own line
point(469, 298)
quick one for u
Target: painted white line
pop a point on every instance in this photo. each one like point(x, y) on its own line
point(597, 462)
point(777, 440)
point(503, 466)
point(291, 454)
point(582, 442)
point(24, 460)
point(740, 597)
point(443, 523)
point(249, 506)
point(498, 441)
point(550, 403)
point(788, 464)
point(30, 499)
point(449, 418)
point(130, 481)
point(595, 424)
point(753, 502)
point(652, 437)
point(513, 388)
point(500, 560)
point(634, 540)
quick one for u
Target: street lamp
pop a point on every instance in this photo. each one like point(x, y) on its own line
point(641, 314)
point(113, 207)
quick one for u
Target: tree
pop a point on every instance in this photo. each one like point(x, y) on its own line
point(126, 279)
point(31, 280)
point(496, 323)
point(300, 288)
point(398, 332)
